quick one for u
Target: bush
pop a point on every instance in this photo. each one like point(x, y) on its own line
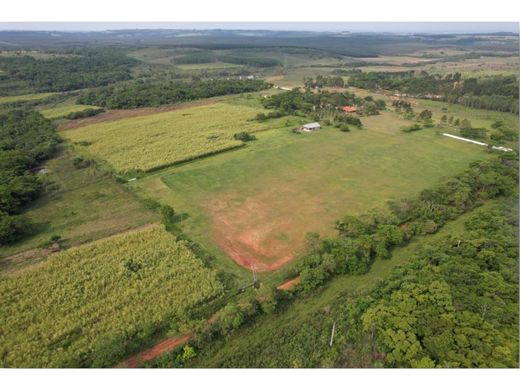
point(344, 128)
point(244, 136)
point(167, 215)
point(409, 129)
point(85, 113)
point(12, 227)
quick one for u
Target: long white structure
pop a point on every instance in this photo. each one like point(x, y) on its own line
point(501, 148)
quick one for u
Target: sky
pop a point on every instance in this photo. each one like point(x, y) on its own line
point(396, 27)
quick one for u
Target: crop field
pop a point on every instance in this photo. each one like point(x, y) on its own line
point(63, 110)
point(159, 140)
point(256, 204)
point(97, 296)
point(25, 98)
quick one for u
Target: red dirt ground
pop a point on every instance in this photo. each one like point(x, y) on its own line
point(158, 349)
point(262, 229)
point(289, 284)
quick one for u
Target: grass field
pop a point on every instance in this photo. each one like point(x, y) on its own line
point(24, 98)
point(256, 204)
point(84, 205)
point(158, 140)
point(99, 296)
point(63, 110)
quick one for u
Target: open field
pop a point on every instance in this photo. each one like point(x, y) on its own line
point(261, 344)
point(25, 98)
point(99, 296)
point(82, 205)
point(60, 111)
point(256, 204)
point(154, 141)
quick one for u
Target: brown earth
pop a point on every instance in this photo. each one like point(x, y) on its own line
point(158, 349)
point(32, 254)
point(289, 284)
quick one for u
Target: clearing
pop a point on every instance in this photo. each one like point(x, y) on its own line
point(256, 204)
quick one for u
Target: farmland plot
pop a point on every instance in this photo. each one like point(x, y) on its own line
point(158, 140)
point(95, 298)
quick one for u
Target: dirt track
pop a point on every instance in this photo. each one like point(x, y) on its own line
point(171, 343)
point(289, 284)
point(158, 349)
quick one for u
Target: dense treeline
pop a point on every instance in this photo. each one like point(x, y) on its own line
point(498, 93)
point(26, 139)
point(150, 94)
point(323, 81)
point(456, 303)
point(363, 239)
point(81, 69)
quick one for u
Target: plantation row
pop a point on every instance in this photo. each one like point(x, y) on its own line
point(90, 305)
point(154, 141)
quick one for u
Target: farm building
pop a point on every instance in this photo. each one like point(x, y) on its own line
point(350, 109)
point(310, 127)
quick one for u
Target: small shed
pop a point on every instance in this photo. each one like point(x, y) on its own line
point(310, 127)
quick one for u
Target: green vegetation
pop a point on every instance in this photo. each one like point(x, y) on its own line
point(79, 202)
point(483, 296)
point(85, 68)
point(154, 141)
point(27, 139)
point(25, 98)
point(101, 300)
point(406, 240)
point(498, 93)
point(284, 185)
point(70, 111)
point(143, 94)
point(372, 236)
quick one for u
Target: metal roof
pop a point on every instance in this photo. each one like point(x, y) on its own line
point(312, 125)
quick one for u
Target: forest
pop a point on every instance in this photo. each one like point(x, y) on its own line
point(75, 69)
point(150, 94)
point(498, 93)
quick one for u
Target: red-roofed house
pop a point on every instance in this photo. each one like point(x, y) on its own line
point(350, 109)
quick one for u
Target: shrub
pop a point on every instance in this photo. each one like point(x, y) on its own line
point(244, 136)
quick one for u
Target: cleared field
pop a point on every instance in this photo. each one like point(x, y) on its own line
point(61, 111)
point(80, 205)
point(97, 296)
point(256, 204)
point(154, 141)
point(25, 98)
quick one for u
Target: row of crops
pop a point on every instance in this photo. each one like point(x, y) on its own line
point(153, 141)
point(89, 305)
